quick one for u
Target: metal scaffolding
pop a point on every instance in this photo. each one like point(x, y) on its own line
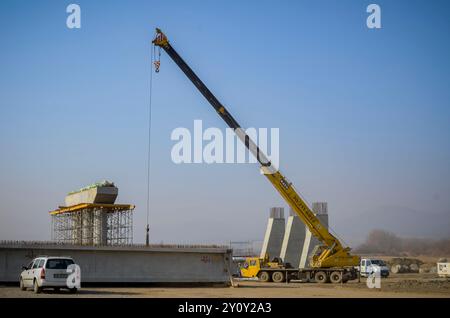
point(93, 224)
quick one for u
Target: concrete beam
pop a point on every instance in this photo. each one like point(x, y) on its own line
point(125, 264)
point(106, 195)
point(273, 239)
point(293, 241)
point(320, 209)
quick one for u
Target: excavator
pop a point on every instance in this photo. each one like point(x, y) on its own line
point(331, 261)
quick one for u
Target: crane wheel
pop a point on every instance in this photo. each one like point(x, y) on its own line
point(321, 277)
point(336, 277)
point(264, 277)
point(278, 277)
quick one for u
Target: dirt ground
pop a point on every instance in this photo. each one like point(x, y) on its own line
point(401, 285)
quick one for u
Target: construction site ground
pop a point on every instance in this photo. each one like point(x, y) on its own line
point(400, 285)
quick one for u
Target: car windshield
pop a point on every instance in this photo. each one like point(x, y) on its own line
point(58, 263)
point(378, 262)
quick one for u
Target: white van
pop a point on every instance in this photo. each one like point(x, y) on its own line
point(368, 266)
point(46, 272)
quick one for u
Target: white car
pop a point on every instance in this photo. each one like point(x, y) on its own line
point(46, 272)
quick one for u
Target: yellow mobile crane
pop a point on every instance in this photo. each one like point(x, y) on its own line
point(331, 260)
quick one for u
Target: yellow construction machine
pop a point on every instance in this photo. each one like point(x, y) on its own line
point(332, 262)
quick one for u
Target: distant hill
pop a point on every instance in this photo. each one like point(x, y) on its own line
point(403, 221)
point(386, 243)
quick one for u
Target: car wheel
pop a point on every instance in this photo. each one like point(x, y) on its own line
point(56, 289)
point(72, 290)
point(22, 286)
point(36, 287)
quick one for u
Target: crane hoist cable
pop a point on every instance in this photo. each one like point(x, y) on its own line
point(156, 63)
point(147, 228)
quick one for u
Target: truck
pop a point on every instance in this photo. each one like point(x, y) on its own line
point(277, 271)
point(332, 261)
point(369, 266)
point(443, 270)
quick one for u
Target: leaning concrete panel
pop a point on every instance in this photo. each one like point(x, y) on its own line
point(293, 241)
point(126, 264)
point(273, 239)
point(321, 211)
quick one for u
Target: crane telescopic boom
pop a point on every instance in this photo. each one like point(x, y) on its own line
point(332, 253)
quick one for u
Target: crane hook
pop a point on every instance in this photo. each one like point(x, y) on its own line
point(157, 65)
point(157, 59)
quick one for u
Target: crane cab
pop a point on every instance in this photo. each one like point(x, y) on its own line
point(252, 267)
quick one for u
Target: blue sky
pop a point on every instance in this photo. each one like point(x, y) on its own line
point(363, 114)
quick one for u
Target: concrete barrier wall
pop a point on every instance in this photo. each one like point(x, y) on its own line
point(126, 265)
